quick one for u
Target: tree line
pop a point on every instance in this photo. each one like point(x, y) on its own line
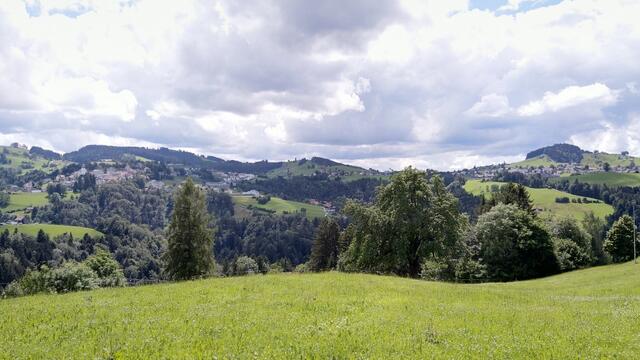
point(413, 227)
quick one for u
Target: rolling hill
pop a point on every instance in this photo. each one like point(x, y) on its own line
point(316, 165)
point(22, 159)
point(571, 154)
point(590, 313)
point(545, 199)
point(95, 153)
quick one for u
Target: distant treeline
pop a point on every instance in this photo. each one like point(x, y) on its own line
point(92, 153)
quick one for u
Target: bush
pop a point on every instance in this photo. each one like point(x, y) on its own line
point(107, 269)
point(569, 255)
point(263, 199)
point(562, 200)
point(73, 277)
point(434, 269)
point(301, 268)
point(246, 266)
point(99, 270)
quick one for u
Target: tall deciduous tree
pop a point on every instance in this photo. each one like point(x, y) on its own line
point(324, 252)
point(411, 220)
point(619, 242)
point(190, 243)
point(514, 245)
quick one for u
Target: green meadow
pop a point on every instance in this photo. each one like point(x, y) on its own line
point(586, 314)
point(542, 160)
point(23, 200)
point(545, 199)
point(280, 206)
point(20, 156)
point(52, 229)
point(610, 179)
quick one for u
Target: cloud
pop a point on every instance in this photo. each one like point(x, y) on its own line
point(492, 105)
point(431, 83)
point(593, 95)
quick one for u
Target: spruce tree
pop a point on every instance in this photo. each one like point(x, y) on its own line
point(190, 242)
point(324, 251)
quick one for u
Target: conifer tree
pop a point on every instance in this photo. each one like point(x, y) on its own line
point(190, 243)
point(324, 251)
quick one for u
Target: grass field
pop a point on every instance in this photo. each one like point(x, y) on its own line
point(308, 168)
point(592, 159)
point(597, 160)
point(588, 314)
point(280, 206)
point(23, 200)
point(18, 156)
point(609, 178)
point(546, 199)
point(52, 230)
point(542, 160)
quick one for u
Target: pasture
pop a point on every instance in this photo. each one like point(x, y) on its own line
point(280, 206)
point(592, 313)
point(545, 200)
point(52, 229)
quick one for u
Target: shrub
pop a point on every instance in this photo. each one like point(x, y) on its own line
point(73, 277)
point(107, 269)
point(434, 269)
point(569, 255)
point(263, 199)
point(246, 266)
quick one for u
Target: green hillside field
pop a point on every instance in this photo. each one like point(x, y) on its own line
point(597, 160)
point(18, 156)
point(586, 314)
point(23, 200)
point(545, 199)
point(280, 205)
point(611, 179)
point(593, 160)
point(52, 230)
point(308, 168)
point(542, 160)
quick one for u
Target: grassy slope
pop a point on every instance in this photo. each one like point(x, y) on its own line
point(19, 156)
point(280, 205)
point(591, 313)
point(294, 168)
point(23, 200)
point(609, 178)
point(542, 160)
point(597, 160)
point(545, 198)
point(52, 230)
point(591, 159)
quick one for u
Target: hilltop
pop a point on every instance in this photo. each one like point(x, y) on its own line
point(566, 154)
point(23, 160)
point(583, 314)
point(93, 153)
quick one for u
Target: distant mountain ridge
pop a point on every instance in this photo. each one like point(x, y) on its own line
point(92, 153)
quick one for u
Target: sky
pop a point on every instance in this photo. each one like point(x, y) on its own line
point(381, 84)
